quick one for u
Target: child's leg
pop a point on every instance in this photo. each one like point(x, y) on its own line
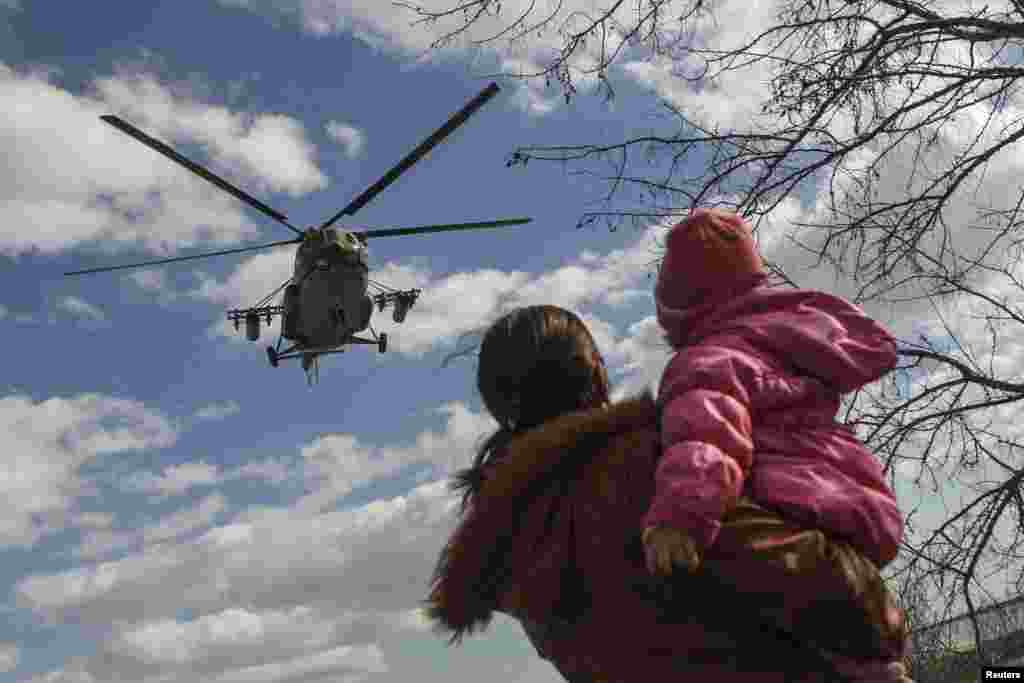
point(822, 591)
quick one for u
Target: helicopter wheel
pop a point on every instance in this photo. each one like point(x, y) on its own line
point(382, 342)
point(272, 356)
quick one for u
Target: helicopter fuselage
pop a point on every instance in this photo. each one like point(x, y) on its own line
point(327, 301)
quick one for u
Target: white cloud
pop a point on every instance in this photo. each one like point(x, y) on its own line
point(289, 641)
point(337, 464)
point(157, 282)
point(181, 479)
point(79, 180)
point(414, 620)
point(732, 99)
point(93, 520)
point(278, 594)
point(270, 558)
point(269, 149)
point(188, 520)
point(63, 675)
point(463, 302)
point(150, 279)
point(80, 308)
point(218, 411)
point(174, 480)
point(643, 355)
point(347, 663)
point(272, 471)
point(251, 281)
point(388, 26)
point(352, 139)
point(376, 23)
point(9, 655)
point(904, 309)
point(456, 304)
point(44, 443)
point(532, 95)
point(328, 579)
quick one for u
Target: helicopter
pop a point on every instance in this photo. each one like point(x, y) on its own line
point(326, 302)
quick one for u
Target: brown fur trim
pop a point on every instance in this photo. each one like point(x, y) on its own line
point(470, 571)
point(536, 453)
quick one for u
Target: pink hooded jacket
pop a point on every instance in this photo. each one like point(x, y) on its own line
point(748, 405)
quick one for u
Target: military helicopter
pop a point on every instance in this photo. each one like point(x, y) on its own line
point(326, 301)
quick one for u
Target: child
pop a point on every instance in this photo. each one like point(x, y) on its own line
point(748, 406)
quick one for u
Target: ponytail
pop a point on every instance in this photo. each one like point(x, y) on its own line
point(469, 480)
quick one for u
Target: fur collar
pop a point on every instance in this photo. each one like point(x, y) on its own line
point(471, 570)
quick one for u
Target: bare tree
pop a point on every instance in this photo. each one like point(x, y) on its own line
point(892, 125)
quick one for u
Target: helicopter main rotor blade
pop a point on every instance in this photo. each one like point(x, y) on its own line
point(155, 144)
point(394, 232)
point(440, 134)
point(182, 258)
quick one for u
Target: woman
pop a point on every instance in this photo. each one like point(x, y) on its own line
point(550, 533)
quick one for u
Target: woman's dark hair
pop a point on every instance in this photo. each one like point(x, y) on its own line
point(536, 363)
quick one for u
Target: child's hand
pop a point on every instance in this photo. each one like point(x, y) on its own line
point(665, 548)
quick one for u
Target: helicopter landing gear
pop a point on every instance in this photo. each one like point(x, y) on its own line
point(272, 356)
point(382, 342)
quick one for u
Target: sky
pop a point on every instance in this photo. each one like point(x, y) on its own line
point(172, 508)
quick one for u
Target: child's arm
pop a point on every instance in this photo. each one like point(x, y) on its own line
point(707, 446)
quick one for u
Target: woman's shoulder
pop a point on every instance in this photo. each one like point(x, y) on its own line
point(570, 441)
point(635, 412)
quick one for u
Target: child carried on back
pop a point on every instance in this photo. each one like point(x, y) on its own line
point(748, 406)
point(756, 488)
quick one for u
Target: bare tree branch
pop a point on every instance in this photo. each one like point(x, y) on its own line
point(894, 116)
